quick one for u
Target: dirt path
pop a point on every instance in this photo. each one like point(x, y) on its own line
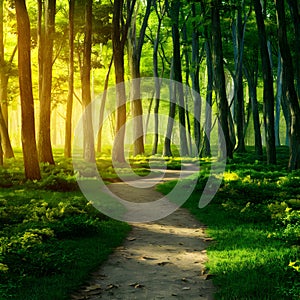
point(159, 260)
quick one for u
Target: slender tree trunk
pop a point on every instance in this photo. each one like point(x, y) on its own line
point(278, 99)
point(195, 67)
point(4, 75)
point(119, 35)
point(208, 105)
point(252, 85)
point(68, 129)
point(118, 54)
point(285, 105)
point(178, 77)
point(268, 93)
point(89, 147)
point(136, 45)
point(219, 76)
point(294, 162)
point(238, 38)
point(172, 110)
point(102, 107)
point(44, 141)
point(294, 9)
point(31, 164)
point(157, 80)
point(40, 40)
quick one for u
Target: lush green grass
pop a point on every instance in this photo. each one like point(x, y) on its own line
point(51, 237)
point(50, 242)
point(255, 223)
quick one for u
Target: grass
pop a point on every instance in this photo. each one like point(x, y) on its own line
point(255, 224)
point(52, 238)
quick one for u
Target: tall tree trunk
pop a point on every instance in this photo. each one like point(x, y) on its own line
point(68, 128)
point(119, 35)
point(4, 75)
point(209, 90)
point(172, 110)
point(156, 77)
point(285, 105)
point(219, 76)
point(251, 76)
point(44, 140)
point(294, 9)
point(294, 161)
point(278, 98)
point(195, 68)
point(178, 77)
point(89, 147)
point(135, 52)
point(238, 38)
point(268, 93)
point(31, 164)
point(102, 107)
point(40, 41)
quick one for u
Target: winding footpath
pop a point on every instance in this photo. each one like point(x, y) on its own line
point(159, 260)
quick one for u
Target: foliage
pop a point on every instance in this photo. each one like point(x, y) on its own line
point(45, 235)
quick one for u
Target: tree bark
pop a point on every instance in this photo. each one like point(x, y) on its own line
point(68, 128)
point(178, 77)
point(209, 90)
point(294, 9)
point(238, 38)
point(172, 110)
point(268, 92)
point(219, 77)
point(119, 36)
point(4, 76)
point(251, 76)
point(294, 161)
point(135, 52)
point(195, 68)
point(102, 107)
point(156, 77)
point(44, 140)
point(278, 98)
point(31, 164)
point(89, 147)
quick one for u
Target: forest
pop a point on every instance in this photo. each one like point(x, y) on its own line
point(117, 90)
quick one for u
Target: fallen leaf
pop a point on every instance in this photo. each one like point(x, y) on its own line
point(92, 287)
point(111, 286)
point(164, 263)
point(149, 258)
point(130, 239)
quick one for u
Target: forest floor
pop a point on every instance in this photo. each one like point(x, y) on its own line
point(163, 259)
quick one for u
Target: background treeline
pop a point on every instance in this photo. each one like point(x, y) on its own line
point(241, 57)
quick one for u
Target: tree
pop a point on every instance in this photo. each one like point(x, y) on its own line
point(178, 92)
point(30, 156)
point(219, 76)
point(5, 70)
point(238, 32)
point(294, 161)
point(89, 147)
point(44, 140)
point(194, 72)
point(160, 13)
point(268, 93)
point(69, 108)
point(119, 36)
point(135, 52)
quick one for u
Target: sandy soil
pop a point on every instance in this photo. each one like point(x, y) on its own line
point(159, 260)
